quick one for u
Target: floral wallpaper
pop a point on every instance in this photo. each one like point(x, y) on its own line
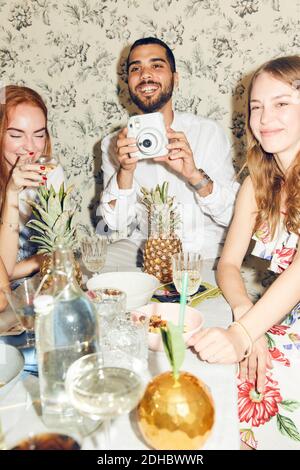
point(73, 52)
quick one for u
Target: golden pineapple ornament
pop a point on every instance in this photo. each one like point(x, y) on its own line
point(53, 221)
point(162, 242)
point(177, 410)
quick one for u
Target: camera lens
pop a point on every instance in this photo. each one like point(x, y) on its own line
point(147, 143)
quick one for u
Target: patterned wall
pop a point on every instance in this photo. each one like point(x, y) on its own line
point(73, 52)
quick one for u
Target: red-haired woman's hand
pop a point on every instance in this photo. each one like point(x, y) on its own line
point(26, 175)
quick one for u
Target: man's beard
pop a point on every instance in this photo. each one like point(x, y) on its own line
point(155, 105)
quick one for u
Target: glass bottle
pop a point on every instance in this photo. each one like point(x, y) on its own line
point(66, 329)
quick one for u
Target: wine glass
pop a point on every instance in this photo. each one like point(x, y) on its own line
point(190, 263)
point(2, 439)
point(94, 250)
point(48, 161)
point(21, 302)
point(104, 386)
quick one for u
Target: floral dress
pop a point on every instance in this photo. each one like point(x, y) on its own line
point(271, 420)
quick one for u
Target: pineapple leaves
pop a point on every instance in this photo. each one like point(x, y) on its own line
point(43, 214)
point(158, 202)
point(38, 226)
point(42, 200)
point(61, 193)
point(52, 191)
point(54, 205)
point(164, 191)
point(68, 203)
point(43, 192)
point(53, 212)
point(174, 346)
point(69, 238)
point(42, 244)
point(61, 223)
point(157, 196)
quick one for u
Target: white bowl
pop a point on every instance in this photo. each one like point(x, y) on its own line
point(193, 321)
point(138, 287)
point(11, 367)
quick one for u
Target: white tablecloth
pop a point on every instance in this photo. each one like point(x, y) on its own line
point(19, 417)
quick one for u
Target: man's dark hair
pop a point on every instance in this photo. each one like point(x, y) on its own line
point(151, 40)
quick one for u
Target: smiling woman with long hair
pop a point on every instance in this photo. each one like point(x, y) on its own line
point(23, 138)
point(269, 177)
point(265, 337)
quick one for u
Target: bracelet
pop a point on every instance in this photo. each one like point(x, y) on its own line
point(10, 224)
point(249, 349)
point(203, 182)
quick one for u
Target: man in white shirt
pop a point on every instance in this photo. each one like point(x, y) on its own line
point(198, 166)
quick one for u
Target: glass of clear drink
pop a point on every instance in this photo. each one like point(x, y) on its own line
point(190, 263)
point(93, 251)
point(129, 333)
point(104, 386)
point(48, 161)
point(110, 304)
point(21, 302)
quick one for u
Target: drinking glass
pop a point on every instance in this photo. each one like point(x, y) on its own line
point(129, 334)
point(110, 305)
point(93, 250)
point(48, 161)
point(104, 386)
point(190, 263)
point(21, 301)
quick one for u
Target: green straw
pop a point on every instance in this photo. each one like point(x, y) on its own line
point(183, 300)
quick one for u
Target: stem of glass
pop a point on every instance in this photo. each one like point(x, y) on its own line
point(106, 432)
point(2, 441)
point(30, 338)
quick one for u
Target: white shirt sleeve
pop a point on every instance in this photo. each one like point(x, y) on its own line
point(220, 203)
point(124, 212)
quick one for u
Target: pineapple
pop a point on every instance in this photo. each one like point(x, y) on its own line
point(53, 223)
point(162, 241)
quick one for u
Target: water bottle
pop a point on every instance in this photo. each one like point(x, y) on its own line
point(66, 329)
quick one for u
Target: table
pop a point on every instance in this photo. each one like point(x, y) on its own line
point(20, 417)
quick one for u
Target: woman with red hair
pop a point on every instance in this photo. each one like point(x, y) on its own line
point(23, 138)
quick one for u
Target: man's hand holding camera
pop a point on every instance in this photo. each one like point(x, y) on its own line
point(180, 157)
point(127, 163)
point(146, 137)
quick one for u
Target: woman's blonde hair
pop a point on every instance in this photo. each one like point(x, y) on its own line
point(10, 97)
point(267, 178)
